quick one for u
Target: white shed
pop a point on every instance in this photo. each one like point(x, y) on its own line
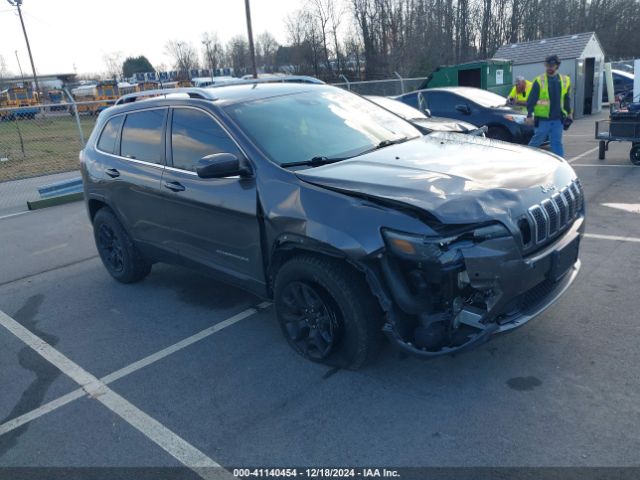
point(582, 59)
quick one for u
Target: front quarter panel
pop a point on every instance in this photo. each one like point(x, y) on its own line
point(338, 222)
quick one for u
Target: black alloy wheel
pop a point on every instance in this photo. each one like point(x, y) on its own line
point(118, 253)
point(310, 321)
point(110, 247)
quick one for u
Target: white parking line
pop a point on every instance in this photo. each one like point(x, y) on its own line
point(602, 165)
point(169, 441)
point(118, 374)
point(14, 214)
point(40, 411)
point(584, 154)
point(50, 249)
point(616, 238)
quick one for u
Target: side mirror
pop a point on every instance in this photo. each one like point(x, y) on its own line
point(463, 109)
point(220, 165)
point(427, 112)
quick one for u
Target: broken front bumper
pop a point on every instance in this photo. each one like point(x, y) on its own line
point(520, 288)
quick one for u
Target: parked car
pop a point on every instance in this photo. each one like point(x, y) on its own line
point(622, 84)
point(424, 121)
point(474, 105)
point(345, 215)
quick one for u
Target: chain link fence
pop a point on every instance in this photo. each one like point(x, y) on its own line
point(44, 139)
point(387, 87)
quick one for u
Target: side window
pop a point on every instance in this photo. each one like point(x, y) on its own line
point(442, 102)
point(411, 100)
point(194, 135)
point(142, 136)
point(107, 141)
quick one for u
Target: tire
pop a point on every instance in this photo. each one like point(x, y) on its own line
point(634, 154)
point(117, 251)
point(327, 312)
point(499, 133)
point(602, 146)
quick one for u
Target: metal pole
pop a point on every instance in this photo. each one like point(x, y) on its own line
point(33, 67)
point(20, 68)
point(346, 81)
point(250, 33)
point(75, 114)
point(401, 80)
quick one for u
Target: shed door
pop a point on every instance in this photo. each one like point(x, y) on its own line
point(589, 72)
point(470, 78)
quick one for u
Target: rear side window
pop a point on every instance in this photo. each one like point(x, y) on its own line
point(194, 135)
point(142, 136)
point(411, 99)
point(442, 102)
point(107, 142)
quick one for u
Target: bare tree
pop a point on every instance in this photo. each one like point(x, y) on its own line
point(113, 63)
point(4, 70)
point(184, 57)
point(266, 49)
point(238, 55)
point(415, 36)
point(212, 51)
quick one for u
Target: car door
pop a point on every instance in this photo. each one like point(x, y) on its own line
point(446, 104)
point(212, 222)
point(133, 171)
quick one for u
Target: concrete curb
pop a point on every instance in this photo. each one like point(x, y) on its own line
point(53, 201)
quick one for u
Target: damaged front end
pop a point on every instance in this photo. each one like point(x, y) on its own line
point(454, 291)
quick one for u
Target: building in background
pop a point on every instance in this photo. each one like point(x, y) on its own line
point(582, 59)
point(494, 75)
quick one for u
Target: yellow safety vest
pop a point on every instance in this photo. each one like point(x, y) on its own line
point(520, 98)
point(543, 107)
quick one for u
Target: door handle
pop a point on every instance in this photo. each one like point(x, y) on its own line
point(113, 173)
point(174, 186)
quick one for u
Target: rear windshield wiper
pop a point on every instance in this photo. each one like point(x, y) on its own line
point(314, 162)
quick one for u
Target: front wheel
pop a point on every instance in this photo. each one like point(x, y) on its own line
point(118, 253)
point(326, 311)
point(498, 133)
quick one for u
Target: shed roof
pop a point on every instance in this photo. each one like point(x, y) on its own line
point(566, 47)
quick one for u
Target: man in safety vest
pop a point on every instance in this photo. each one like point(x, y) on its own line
point(520, 93)
point(550, 103)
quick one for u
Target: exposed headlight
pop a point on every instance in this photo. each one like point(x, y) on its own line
point(440, 249)
point(516, 118)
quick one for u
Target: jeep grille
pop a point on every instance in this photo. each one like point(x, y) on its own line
point(552, 216)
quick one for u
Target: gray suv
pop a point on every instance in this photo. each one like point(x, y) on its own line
point(355, 224)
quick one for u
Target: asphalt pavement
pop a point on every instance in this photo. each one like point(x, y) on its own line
point(180, 368)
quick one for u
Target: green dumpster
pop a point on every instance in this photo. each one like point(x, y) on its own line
point(493, 75)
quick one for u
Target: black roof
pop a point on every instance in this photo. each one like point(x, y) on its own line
point(566, 47)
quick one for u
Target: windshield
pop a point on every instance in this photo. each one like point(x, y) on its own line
point(399, 108)
point(482, 97)
point(328, 123)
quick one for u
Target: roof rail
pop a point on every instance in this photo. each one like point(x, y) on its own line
point(193, 92)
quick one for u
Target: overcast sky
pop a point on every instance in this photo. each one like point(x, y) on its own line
point(68, 33)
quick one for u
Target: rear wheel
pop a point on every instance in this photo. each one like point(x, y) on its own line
point(118, 253)
point(602, 147)
point(326, 312)
point(499, 133)
point(634, 155)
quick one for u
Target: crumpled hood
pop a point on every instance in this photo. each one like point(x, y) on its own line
point(441, 124)
point(456, 178)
